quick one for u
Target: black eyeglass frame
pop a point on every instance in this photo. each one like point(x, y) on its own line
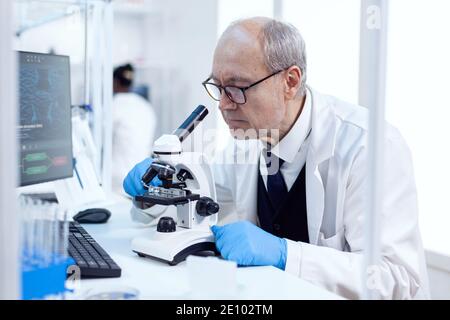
point(243, 89)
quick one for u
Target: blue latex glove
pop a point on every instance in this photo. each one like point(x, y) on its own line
point(249, 245)
point(132, 183)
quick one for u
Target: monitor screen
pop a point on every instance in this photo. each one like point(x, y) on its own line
point(45, 130)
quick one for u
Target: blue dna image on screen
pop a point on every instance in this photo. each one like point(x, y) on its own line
point(44, 118)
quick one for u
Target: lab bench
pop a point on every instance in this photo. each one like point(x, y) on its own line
point(157, 280)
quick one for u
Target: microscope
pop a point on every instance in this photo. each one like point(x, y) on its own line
point(188, 184)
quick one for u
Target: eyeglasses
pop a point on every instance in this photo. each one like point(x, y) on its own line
point(235, 94)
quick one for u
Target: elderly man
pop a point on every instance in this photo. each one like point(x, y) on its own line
point(305, 214)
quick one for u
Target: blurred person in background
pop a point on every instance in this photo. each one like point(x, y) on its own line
point(134, 122)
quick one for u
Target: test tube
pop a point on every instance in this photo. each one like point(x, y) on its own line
point(45, 232)
point(48, 237)
point(38, 231)
point(23, 214)
point(56, 234)
point(30, 232)
point(63, 241)
point(29, 213)
point(33, 232)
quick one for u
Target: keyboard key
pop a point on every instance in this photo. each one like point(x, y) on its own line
point(103, 264)
point(82, 263)
point(92, 259)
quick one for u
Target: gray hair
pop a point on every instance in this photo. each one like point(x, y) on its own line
point(282, 44)
point(283, 47)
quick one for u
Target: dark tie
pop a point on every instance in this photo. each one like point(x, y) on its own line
point(276, 186)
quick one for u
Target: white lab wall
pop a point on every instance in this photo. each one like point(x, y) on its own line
point(417, 103)
point(171, 44)
point(330, 29)
point(230, 10)
point(190, 34)
point(128, 38)
point(54, 37)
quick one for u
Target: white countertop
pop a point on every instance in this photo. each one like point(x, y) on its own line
point(158, 280)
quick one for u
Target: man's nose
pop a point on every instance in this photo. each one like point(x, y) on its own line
point(225, 103)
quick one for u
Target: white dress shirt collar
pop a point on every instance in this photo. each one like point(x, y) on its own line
point(291, 143)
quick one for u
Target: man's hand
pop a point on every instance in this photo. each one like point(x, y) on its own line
point(132, 183)
point(248, 245)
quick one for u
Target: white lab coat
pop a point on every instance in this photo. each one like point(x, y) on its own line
point(336, 172)
point(134, 122)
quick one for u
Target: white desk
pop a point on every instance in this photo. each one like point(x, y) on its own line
point(157, 280)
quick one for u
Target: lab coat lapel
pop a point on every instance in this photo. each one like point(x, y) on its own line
point(321, 148)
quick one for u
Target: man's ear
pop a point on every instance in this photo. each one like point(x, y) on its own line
point(293, 80)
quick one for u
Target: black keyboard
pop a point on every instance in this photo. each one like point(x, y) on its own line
point(93, 260)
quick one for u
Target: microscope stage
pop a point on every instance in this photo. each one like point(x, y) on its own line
point(166, 199)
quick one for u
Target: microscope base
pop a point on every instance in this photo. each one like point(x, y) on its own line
point(174, 247)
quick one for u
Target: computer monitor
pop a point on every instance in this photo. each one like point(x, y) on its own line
point(45, 130)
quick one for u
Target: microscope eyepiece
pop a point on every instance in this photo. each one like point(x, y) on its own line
point(185, 129)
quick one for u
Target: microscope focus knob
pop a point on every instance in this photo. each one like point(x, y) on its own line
point(206, 206)
point(166, 224)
